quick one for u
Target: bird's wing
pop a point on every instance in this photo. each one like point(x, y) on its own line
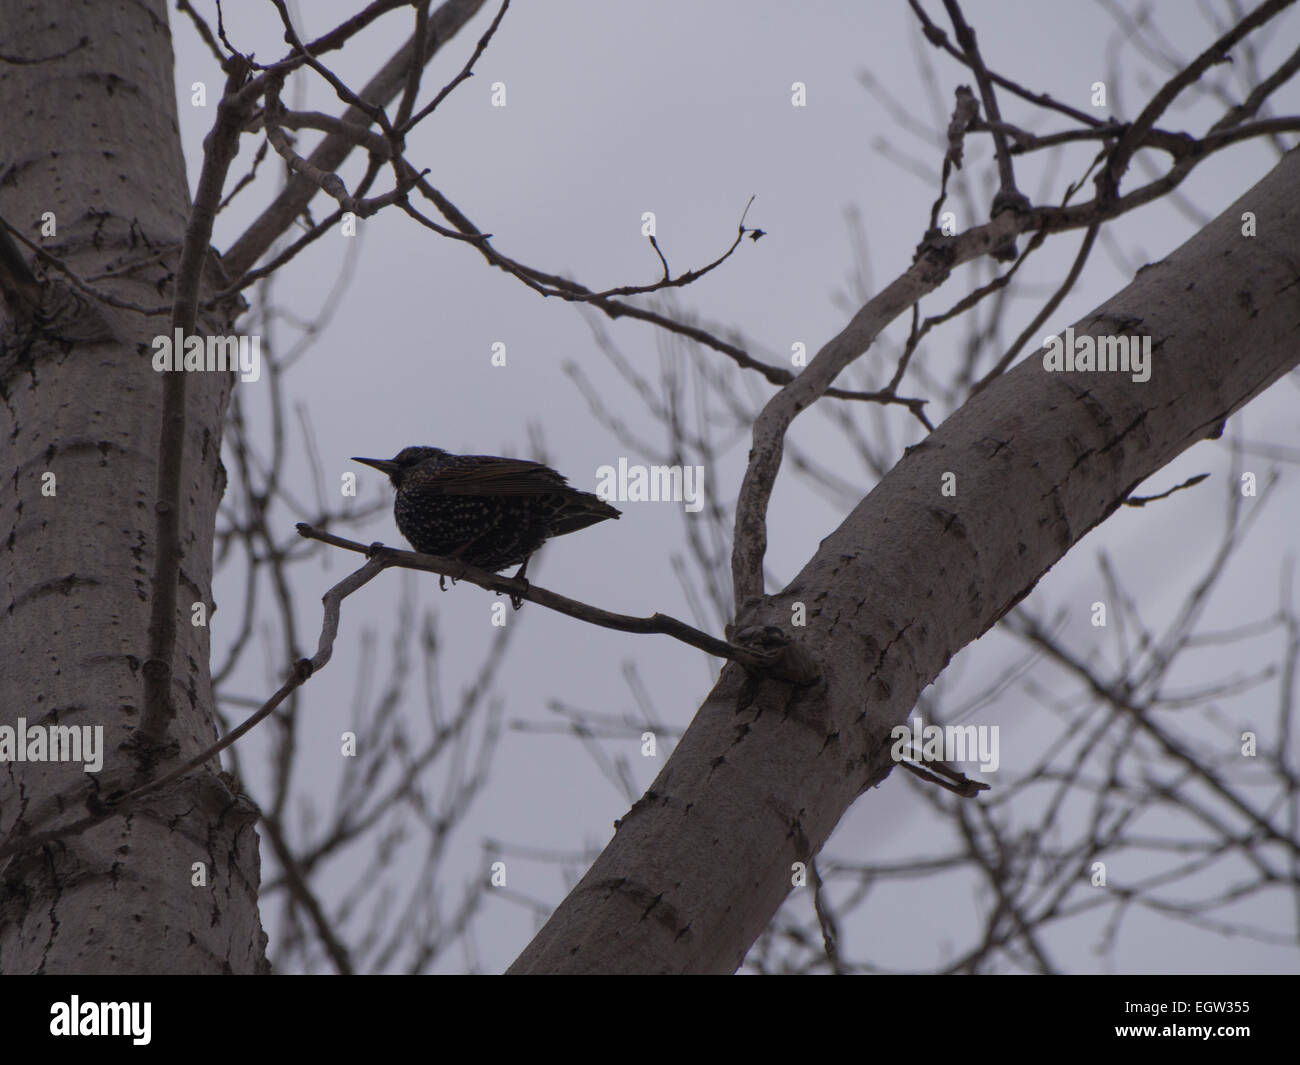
point(491, 476)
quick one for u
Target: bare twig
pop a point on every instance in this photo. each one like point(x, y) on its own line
point(1142, 501)
point(467, 71)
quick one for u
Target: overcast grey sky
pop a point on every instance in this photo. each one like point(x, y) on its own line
point(684, 109)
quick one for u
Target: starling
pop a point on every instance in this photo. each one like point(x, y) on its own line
point(488, 511)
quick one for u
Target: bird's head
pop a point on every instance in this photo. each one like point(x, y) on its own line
point(407, 458)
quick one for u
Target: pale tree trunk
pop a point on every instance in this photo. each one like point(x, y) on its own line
point(171, 886)
point(700, 864)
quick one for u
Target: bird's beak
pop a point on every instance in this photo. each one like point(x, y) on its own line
point(387, 466)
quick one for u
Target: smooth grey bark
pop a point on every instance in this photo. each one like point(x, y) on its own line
point(92, 136)
point(703, 860)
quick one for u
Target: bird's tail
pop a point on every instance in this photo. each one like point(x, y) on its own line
point(580, 510)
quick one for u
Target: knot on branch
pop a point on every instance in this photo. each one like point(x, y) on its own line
point(156, 669)
point(1011, 200)
point(938, 251)
point(778, 655)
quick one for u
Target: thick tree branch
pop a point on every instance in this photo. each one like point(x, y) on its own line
point(695, 871)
